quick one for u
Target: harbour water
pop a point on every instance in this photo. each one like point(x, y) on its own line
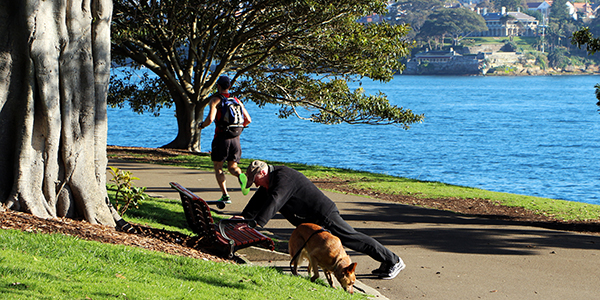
point(536, 135)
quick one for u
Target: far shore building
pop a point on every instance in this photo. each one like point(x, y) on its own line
point(444, 62)
point(584, 9)
point(507, 24)
point(504, 23)
point(441, 56)
point(543, 7)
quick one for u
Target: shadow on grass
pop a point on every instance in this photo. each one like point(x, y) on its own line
point(155, 212)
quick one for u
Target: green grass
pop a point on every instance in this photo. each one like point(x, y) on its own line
point(502, 40)
point(159, 213)
point(523, 43)
point(166, 214)
point(54, 266)
point(560, 209)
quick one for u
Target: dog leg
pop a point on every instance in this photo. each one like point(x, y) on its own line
point(329, 278)
point(304, 256)
point(295, 267)
point(294, 246)
point(313, 264)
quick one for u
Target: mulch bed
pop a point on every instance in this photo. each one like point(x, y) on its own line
point(144, 237)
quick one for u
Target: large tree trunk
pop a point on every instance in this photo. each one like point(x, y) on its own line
point(189, 116)
point(54, 73)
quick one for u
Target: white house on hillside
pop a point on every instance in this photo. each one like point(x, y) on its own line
point(508, 24)
point(545, 6)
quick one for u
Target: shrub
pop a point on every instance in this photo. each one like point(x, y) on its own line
point(127, 194)
point(557, 58)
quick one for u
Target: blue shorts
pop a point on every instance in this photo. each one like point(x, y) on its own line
point(226, 149)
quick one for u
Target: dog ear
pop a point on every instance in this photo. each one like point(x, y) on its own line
point(351, 268)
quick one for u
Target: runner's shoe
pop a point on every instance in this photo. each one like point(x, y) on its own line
point(243, 180)
point(225, 199)
point(389, 271)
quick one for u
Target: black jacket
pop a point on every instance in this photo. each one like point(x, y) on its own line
point(293, 195)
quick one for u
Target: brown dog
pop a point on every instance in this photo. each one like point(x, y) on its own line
point(324, 250)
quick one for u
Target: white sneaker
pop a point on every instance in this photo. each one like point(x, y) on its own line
point(392, 271)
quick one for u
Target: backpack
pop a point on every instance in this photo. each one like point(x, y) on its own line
point(232, 117)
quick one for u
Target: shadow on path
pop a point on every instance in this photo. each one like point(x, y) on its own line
point(403, 225)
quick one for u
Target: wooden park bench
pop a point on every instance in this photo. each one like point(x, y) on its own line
point(226, 237)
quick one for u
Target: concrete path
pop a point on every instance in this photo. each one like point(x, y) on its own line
point(448, 256)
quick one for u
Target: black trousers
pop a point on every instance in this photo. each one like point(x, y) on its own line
point(358, 241)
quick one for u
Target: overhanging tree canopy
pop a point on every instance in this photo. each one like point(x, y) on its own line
point(583, 37)
point(290, 53)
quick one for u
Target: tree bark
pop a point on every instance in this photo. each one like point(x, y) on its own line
point(54, 70)
point(189, 116)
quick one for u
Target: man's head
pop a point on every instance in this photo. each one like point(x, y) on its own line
point(254, 169)
point(224, 82)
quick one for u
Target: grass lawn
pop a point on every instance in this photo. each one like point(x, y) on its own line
point(523, 43)
point(56, 266)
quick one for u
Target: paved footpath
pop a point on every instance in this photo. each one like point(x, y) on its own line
point(448, 256)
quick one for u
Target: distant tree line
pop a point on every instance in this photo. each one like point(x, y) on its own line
point(433, 20)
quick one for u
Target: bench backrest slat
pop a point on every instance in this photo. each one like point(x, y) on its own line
point(199, 218)
point(197, 212)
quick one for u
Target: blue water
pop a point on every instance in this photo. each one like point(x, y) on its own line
point(536, 136)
